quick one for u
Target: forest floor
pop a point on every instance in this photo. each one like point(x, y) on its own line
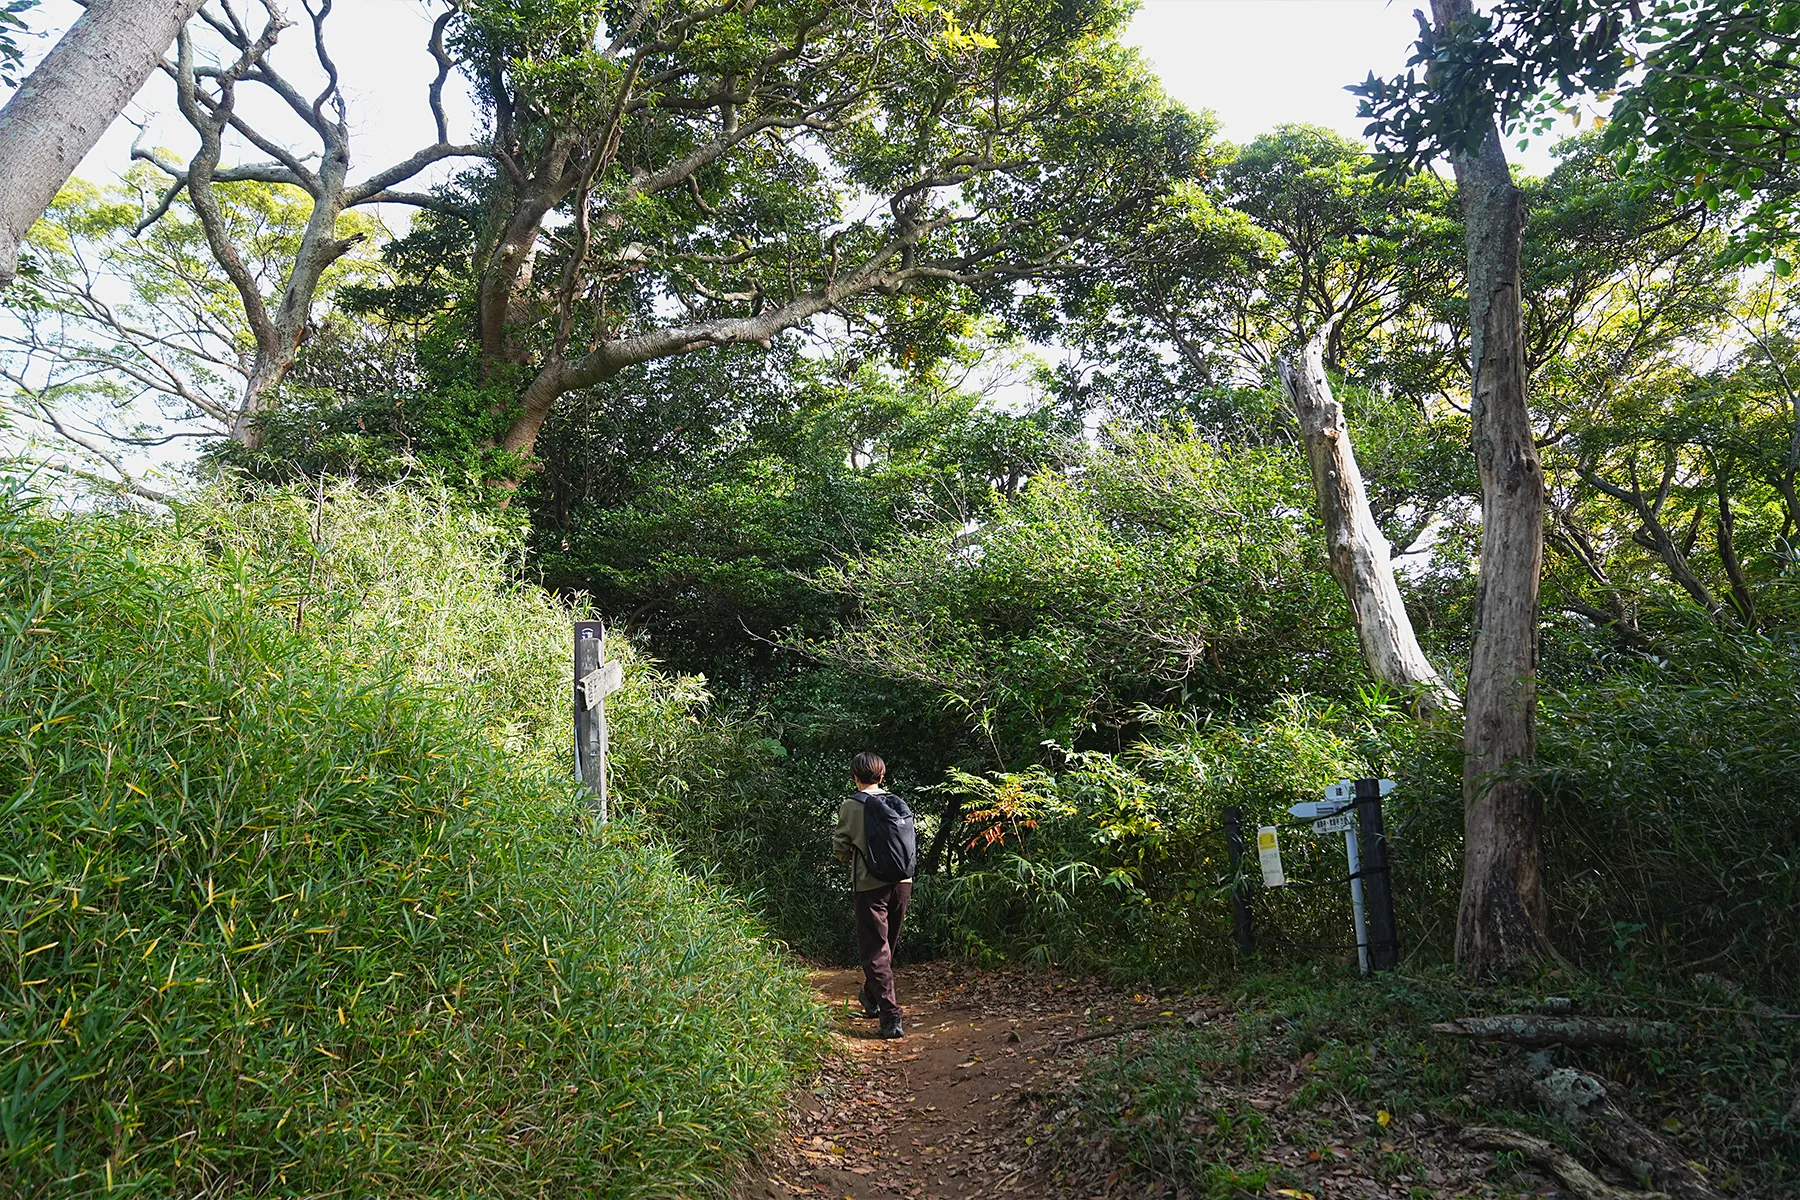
point(983, 1098)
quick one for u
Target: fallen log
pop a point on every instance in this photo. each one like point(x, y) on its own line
point(1536, 1031)
point(1587, 1104)
point(1582, 1183)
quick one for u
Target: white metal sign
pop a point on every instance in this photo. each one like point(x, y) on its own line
point(1311, 810)
point(1344, 790)
point(1336, 823)
point(1268, 853)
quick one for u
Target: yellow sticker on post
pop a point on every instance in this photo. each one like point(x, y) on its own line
point(1268, 852)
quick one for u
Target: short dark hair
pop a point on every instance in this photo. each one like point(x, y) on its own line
point(868, 767)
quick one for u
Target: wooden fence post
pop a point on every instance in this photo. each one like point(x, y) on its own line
point(590, 720)
point(1240, 903)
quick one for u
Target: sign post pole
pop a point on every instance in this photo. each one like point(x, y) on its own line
point(1348, 804)
point(1384, 938)
point(1356, 899)
point(594, 681)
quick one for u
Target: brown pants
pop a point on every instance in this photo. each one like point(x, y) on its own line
point(879, 915)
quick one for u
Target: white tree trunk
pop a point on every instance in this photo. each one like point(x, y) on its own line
point(1360, 557)
point(63, 107)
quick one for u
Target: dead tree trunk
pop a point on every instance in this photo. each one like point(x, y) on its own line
point(207, 96)
point(63, 107)
point(1537, 1031)
point(1360, 556)
point(1503, 918)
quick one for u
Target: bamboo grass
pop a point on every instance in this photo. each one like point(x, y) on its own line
point(276, 921)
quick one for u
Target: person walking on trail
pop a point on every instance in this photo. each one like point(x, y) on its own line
point(875, 835)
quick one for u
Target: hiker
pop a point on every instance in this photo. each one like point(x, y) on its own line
point(875, 836)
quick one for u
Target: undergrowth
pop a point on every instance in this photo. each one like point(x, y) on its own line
point(1316, 1043)
point(282, 917)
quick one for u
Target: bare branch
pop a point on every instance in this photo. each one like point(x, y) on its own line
point(445, 65)
point(367, 191)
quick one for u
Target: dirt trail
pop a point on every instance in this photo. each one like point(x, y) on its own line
point(966, 1105)
point(945, 1111)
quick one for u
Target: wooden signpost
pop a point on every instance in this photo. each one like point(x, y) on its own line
point(594, 682)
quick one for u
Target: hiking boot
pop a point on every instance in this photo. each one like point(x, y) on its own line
point(891, 1028)
point(862, 1000)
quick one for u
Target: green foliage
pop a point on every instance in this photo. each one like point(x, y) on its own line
point(1054, 132)
point(12, 24)
point(280, 918)
point(1678, 476)
point(378, 403)
point(1702, 96)
point(1260, 249)
point(1164, 570)
point(1118, 862)
point(694, 497)
point(1667, 786)
point(1713, 111)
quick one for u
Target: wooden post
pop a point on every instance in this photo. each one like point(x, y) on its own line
point(590, 721)
point(1240, 903)
point(1378, 896)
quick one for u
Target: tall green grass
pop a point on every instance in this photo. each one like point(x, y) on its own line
point(278, 917)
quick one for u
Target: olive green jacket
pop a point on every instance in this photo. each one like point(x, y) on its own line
point(851, 844)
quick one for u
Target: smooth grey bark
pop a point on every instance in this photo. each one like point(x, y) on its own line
point(63, 107)
point(1361, 560)
point(1503, 919)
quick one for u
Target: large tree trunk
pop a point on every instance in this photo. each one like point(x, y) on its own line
point(63, 107)
point(1360, 557)
point(1503, 919)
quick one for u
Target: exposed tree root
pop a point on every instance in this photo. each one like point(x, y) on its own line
point(1581, 1182)
point(1536, 1031)
point(1587, 1104)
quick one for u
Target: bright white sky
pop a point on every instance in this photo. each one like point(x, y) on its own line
point(1256, 63)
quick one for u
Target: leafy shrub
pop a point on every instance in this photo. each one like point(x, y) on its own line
point(1669, 793)
point(414, 581)
point(280, 921)
point(1119, 861)
point(1165, 572)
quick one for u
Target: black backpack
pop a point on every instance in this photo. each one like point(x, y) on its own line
point(893, 842)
